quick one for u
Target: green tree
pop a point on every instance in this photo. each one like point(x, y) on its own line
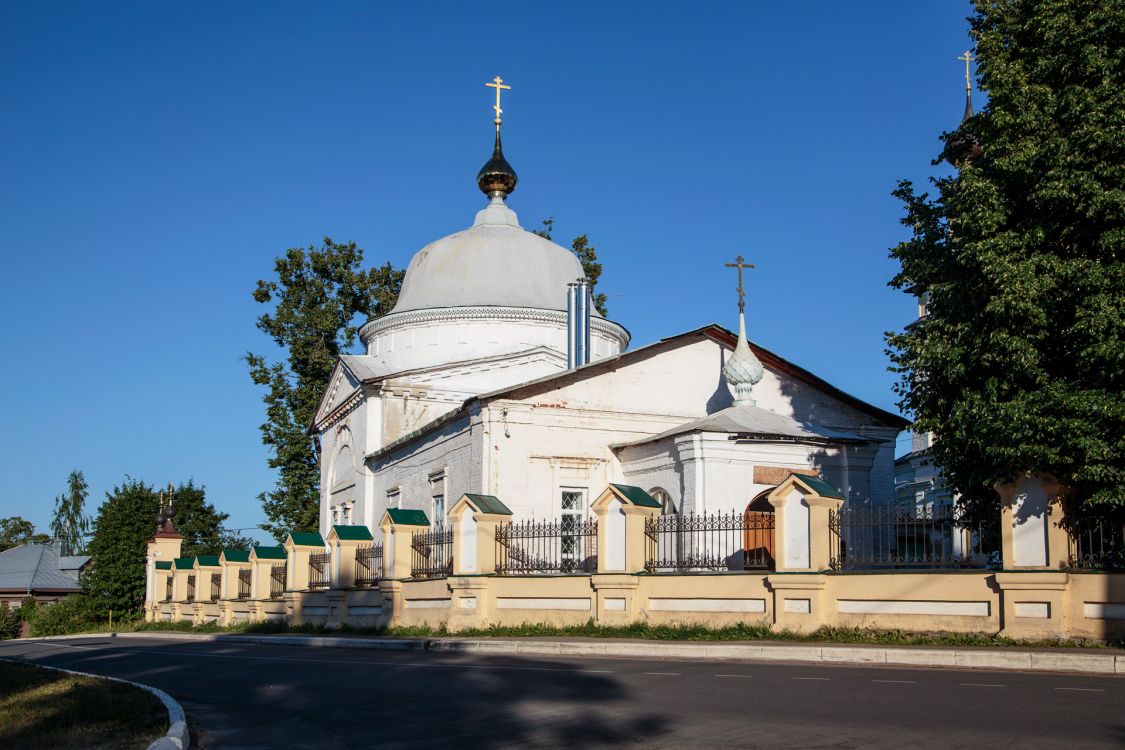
point(124, 524)
point(15, 531)
point(320, 298)
point(70, 524)
point(1020, 363)
point(587, 256)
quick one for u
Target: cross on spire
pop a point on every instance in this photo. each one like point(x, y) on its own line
point(498, 84)
point(967, 58)
point(741, 292)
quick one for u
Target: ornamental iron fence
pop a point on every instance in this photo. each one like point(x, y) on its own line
point(1097, 542)
point(244, 583)
point(912, 537)
point(216, 582)
point(368, 564)
point(318, 570)
point(709, 542)
point(191, 588)
point(277, 580)
point(530, 547)
point(432, 554)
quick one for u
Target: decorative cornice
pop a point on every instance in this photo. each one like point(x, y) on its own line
point(350, 404)
point(392, 321)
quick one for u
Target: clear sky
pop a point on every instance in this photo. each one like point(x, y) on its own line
point(156, 157)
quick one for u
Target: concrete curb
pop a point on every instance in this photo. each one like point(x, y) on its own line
point(177, 736)
point(1001, 659)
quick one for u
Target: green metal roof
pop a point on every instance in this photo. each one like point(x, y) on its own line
point(822, 488)
point(163, 564)
point(270, 553)
point(489, 504)
point(184, 563)
point(636, 495)
point(236, 555)
point(408, 517)
point(212, 560)
point(306, 538)
point(353, 533)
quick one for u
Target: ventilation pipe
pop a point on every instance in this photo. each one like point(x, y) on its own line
point(579, 303)
point(571, 325)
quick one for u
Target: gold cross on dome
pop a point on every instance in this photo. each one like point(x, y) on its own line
point(741, 292)
point(498, 84)
point(967, 58)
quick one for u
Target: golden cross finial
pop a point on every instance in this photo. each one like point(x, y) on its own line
point(498, 84)
point(967, 58)
point(741, 292)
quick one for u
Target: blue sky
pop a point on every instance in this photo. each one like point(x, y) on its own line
point(156, 157)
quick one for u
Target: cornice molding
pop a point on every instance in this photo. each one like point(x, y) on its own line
point(392, 321)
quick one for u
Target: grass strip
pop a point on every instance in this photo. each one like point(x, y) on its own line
point(44, 708)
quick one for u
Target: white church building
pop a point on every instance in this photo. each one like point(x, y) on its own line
point(493, 375)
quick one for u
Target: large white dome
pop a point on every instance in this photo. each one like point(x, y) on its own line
point(494, 263)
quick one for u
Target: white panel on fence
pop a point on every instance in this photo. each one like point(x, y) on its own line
point(1040, 610)
point(615, 604)
point(797, 606)
point(796, 531)
point(511, 602)
point(707, 605)
point(1029, 517)
point(1103, 611)
point(615, 536)
point(389, 557)
point(907, 607)
point(361, 611)
point(469, 602)
point(468, 542)
point(427, 603)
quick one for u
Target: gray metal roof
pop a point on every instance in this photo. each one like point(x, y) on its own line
point(364, 366)
point(757, 422)
point(32, 567)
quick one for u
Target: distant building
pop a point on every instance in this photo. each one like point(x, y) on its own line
point(39, 571)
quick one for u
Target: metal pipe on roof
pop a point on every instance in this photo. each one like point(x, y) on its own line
point(571, 324)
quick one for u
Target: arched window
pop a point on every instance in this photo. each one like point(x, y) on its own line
point(667, 505)
point(343, 469)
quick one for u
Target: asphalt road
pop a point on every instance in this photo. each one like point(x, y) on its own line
point(264, 696)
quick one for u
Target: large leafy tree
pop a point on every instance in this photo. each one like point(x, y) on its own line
point(319, 298)
point(15, 531)
point(587, 256)
point(70, 524)
point(1020, 363)
point(124, 524)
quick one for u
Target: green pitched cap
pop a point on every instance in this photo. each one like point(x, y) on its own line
point(184, 563)
point(204, 560)
point(636, 495)
point(236, 555)
point(822, 488)
point(270, 553)
point(353, 533)
point(408, 517)
point(163, 564)
point(306, 538)
point(489, 504)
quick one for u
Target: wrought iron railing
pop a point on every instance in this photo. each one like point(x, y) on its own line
point(935, 537)
point(168, 589)
point(432, 554)
point(318, 570)
point(529, 547)
point(1097, 542)
point(277, 580)
point(368, 564)
point(244, 579)
point(191, 588)
point(216, 584)
point(709, 542)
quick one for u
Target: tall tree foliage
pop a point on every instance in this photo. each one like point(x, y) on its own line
point(1020, 363)
point(15, 531)
point(70, 524)
point(319, 299)
point(124, 524)
point(587, 256)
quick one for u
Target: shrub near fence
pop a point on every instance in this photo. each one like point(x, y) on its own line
point(709, 542)
point(909, 537)
point(531, 547)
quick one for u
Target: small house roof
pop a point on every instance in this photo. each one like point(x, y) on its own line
point(208, 561)
point(184, 563)
point(636, 495)
point(33, 566)
point(236, 555)
point(818, 485)
point(269, 553)
point(353, 533)
point(306, 539)
point(489, 504)
point(408, 517)
point(163, 564)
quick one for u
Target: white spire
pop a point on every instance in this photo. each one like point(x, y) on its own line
point(742, 369)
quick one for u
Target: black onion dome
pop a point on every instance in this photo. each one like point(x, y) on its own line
point(497, 176)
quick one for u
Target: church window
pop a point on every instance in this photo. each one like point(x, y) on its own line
point(343, 469)
point(572, 504)
point(346, 514)
point(335, 514)
point(667, 504)
point(437, 497)
point(394, 497)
